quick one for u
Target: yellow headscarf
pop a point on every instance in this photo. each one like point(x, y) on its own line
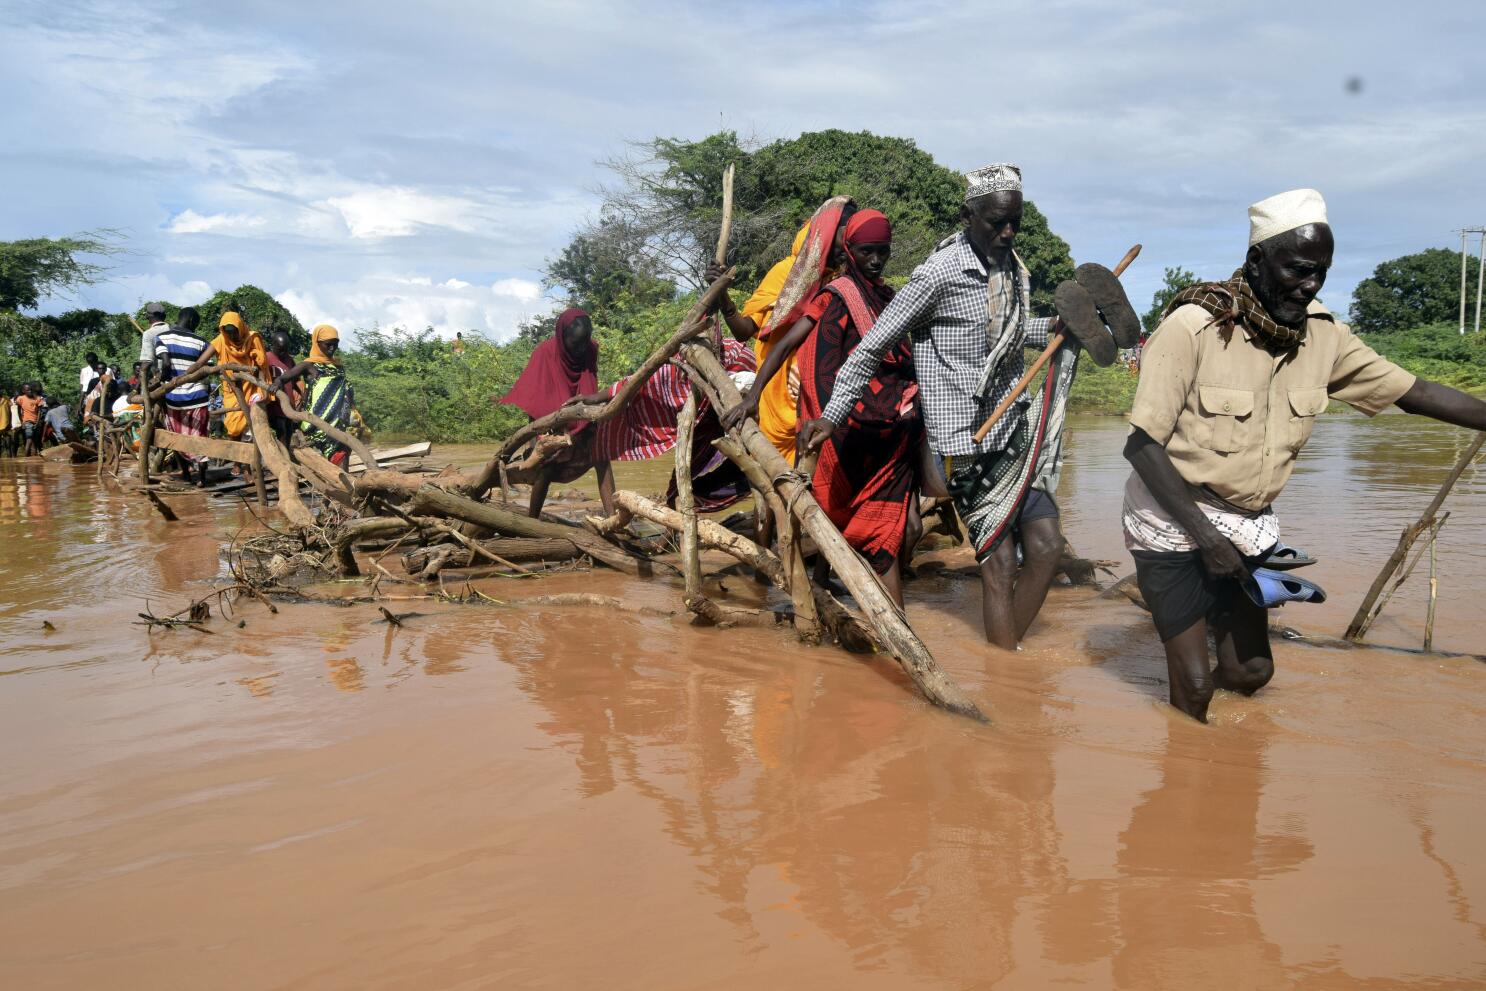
point(323, 332)
point(760, 306)
point(777, 403)
point(247, 350)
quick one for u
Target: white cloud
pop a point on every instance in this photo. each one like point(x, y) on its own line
point(416, 302)
point(398, 211)
point(190, 222)
point(523, 289)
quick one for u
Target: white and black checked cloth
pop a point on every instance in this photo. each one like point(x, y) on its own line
point(959, 329)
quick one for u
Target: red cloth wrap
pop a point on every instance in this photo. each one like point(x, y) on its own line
point(552, 376)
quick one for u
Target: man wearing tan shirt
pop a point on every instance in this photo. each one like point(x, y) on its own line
point(1230, 387)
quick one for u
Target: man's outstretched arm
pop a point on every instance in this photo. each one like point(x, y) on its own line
point(1440, 402)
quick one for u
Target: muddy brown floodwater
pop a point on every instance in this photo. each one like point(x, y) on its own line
point(573, 798)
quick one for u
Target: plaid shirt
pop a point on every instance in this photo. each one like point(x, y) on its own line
point(968, 329)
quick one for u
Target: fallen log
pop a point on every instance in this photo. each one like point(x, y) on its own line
point(889, 624)
point(426, 563)
point(276, 460)
point(334, 482)
point(845, 625)
point(433, 501)
point(207, 447)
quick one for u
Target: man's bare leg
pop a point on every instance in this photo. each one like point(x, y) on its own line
point(763, 535)
point(892, 580)
point(913, 532)
point(1042, 548)
point(998, 581)
point(539, 493)
point(1189, 670)
point(1245, 659)
point(605, 472)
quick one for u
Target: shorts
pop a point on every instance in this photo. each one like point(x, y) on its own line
point(1179, 591)
point(28, 430)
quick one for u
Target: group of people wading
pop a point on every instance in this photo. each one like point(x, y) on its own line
point(318, 383)
point(172, 356)
point(891, 390)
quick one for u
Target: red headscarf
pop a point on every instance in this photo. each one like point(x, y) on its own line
point(869, 227)
point(552, 376)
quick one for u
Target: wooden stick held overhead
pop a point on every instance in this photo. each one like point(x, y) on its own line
point(1052, 346)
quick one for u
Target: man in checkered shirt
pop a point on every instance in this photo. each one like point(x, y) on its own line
point(967, 310)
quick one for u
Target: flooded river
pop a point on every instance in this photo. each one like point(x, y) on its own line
point(572, 797)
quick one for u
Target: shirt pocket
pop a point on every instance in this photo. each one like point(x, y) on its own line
point(1305, 406)
point(1226, 414)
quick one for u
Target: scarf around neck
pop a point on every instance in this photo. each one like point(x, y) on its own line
point(1233, 301)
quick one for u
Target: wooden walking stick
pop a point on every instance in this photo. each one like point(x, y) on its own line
point(721, 257)
point(1056, 342)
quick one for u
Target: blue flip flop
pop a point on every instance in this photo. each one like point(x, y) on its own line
point(1284, 558)
point(1272, 589)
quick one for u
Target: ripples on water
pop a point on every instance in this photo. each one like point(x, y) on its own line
point(574, 798)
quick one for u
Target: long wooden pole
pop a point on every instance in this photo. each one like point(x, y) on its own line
point(882, 613)
point(1052, 347)
point(1363, 617)
point(1434, 590)
point(146, 432)
point(721, 255)
point(691, 561)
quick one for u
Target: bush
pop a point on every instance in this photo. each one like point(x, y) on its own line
point(1109, 391)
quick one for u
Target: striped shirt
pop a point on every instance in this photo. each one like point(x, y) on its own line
point(968, 327)
point(183, 349)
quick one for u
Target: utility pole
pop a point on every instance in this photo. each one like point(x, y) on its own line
point(1462, 283)
point(1480, 279)
point(1480, 274)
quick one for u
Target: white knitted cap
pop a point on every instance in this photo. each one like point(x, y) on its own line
point(1285, 212)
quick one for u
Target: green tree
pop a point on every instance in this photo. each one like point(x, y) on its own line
point(665, 204)
point(261, 311)
point(1410, 291)
point(602, 264)
point(1173, 281)
point(34, 269)
point(50, 350)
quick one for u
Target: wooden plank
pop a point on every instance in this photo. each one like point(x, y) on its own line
point(211, 447)
point(418, 450)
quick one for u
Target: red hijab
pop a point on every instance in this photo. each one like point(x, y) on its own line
point(868, 227)
point(552, 376)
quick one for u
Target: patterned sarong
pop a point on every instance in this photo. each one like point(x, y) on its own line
point(188, 423)
point(989, 490)
point(330, 400)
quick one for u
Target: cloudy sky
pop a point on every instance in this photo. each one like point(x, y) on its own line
point(417, 163)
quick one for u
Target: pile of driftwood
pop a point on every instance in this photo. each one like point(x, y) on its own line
point(447, 521)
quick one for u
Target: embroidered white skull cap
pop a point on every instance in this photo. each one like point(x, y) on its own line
point(1002, 176)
